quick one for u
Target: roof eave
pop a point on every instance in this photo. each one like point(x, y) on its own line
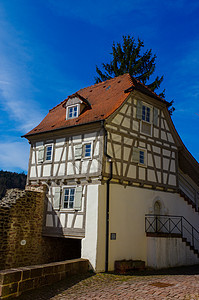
point(60, 128)
point(132, 88)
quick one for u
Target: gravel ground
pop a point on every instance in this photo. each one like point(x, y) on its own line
point(175, 283)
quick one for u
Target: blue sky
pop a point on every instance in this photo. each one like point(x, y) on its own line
point(49, 49)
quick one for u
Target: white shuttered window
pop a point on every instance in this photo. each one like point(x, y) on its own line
point(72, 198)
point(56, 200)
point(78, 151)
point(78, 198)
point(140, 156)
point(41, 154)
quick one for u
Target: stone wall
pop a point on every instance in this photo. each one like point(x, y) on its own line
point(22, 243)
point(14, 282)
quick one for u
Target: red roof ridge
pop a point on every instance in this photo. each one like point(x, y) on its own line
point(146, 87)
point(104, 98)
point(91, 86)
point(58, 104)
point(105, 82)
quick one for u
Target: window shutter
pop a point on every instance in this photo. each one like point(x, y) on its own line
point(146, 128)
point(56, 200)
point(78, 151)
point(155, 116)
point(41, 154)
point(78, 198)
point(136, 155)
point(139, 110)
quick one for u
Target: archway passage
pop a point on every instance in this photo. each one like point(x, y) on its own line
point(59, 249)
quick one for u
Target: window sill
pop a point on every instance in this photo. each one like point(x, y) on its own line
point(142, 165)
point(70, 210)
point(86, 158)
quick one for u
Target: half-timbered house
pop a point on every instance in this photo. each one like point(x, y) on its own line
point(118, 176)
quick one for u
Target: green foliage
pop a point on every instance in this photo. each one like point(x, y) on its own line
point(128, 57)
point(10, 180)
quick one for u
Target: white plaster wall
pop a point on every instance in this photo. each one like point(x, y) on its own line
point(33, 157)
point(70, 169)
point(62, 220)
point(58, 153)
point(32, 171)
point(128, 206)
point(101, 241)
point(89, 243)
point(60, 142)
point(78, 222)
point(70, 219)
point(94, 166)
point(168, 252)
point(96, 151)
point(39, 170)
point(46, 170)
point(90, 136)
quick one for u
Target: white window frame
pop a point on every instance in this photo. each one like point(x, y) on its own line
point(77, 198)
point(63, 196)
point(42, 150)
point(67, 111)
point(45, 153)
point(145, 157)
point(136, 158)
point(145, 122)
point(150, 115)
point(83, 150)
point(150, 122)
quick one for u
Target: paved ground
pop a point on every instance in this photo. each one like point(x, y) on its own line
point(178, 283)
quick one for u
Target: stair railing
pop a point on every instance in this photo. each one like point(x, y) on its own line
point(172, 225)
point(189, 190)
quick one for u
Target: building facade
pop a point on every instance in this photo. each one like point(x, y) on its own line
point(118, 176)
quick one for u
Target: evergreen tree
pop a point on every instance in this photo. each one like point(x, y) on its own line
point(9, 180)
point(129, 58)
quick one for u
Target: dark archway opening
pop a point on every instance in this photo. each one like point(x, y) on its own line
point(59, 249)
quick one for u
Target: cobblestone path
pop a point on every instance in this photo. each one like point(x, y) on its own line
point(109, 286)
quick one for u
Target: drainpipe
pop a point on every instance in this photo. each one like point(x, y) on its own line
point(109, 159)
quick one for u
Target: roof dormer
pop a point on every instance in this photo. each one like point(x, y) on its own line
point(75, 105)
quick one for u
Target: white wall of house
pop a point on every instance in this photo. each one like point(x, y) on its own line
point(89, 243)
point(169, 252)
point(128, 206)
point(64, 160)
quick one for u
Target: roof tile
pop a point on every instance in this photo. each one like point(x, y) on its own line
point(104, 98)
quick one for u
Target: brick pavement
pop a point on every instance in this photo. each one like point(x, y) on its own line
point(181, 283)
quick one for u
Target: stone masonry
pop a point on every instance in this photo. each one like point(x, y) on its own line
point(14, 282)
point(21, 222)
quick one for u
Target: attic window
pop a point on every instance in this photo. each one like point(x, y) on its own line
point(72, 112)
point(108, 88)
point(146, 112)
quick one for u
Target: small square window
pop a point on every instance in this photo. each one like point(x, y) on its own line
point(72, 112)
point(69, 197)
point(48, 156)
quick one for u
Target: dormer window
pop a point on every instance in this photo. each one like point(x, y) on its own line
point(72, 112)
point(75, 105)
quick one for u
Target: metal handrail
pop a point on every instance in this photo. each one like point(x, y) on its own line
point(168, 224)
point(173, 216)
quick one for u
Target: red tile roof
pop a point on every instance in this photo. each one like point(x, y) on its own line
point(104, 98)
